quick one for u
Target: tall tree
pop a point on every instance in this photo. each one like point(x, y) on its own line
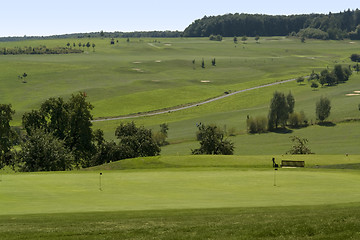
point(291, 102)
point(279, 111)
point(80, 133)
point(323, 107)
point(7, 135)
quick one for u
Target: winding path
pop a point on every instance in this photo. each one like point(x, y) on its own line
point(153, 113)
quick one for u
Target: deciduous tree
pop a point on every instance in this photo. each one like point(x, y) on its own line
point(7, 135)
point(323, 107)
point(212, 141)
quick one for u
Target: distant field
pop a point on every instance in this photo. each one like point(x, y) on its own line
point(149, 74)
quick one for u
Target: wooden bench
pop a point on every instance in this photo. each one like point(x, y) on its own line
point(290, 163)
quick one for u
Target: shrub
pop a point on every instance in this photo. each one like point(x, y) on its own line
point(215, 38)
point(313, 33)
point(297, 120)
point(257, 125)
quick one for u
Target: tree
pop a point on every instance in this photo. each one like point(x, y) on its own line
point(160, 137)
point(44, 152)
point(7, 135)
point(105, 151)
point(80, 134)
point(244, 39)
point(279, 111)
point(33, 120)
point(300, 80)
point(212, 141)
point(68, 121)
point(257, 38)
point(136, 141)
point(323, 107)
point(291, 102)
point(203, 63)
point(88, 45)
point(56, 114)
point(314, 85)
point(299, 146)
point(93, 46)
point(213, 62)
point(235, 40)
point(339, 73)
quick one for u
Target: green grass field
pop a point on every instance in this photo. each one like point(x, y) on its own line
point(149, 74)
point(177, 196)
point(149, 198)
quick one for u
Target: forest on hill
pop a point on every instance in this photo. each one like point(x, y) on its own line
point(323, 26)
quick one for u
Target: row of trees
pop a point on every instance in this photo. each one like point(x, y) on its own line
point(88, 45)
point(59, 136)
point(38, 50)
point(335, 25)
point(339, 74)
point(281, 114)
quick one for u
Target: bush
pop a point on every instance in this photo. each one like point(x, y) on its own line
point(297, 120)
point(313, 33)
point(355, 57)
point(257, 125)
point(215, 38)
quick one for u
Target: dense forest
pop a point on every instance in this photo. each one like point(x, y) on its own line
point(159, 34)
point(323, 26)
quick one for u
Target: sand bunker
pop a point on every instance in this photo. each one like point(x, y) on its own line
point(158, 61)
point(138, 70)
point(351, 42)
point(205, 81)
point(353, 94)
point(136, 62)
point(168, 44)
point(356, 91)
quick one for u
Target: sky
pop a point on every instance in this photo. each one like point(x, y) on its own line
point(53, 17)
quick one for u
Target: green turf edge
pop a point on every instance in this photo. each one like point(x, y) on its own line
point(339, 221)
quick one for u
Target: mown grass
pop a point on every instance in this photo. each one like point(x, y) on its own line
point(301, 222)
point(190, 182)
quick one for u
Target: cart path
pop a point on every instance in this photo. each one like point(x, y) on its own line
point(175, 109)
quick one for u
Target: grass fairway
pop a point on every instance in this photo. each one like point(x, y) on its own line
point(190, 197)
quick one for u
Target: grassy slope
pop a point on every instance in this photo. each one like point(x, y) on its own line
point(144, 75)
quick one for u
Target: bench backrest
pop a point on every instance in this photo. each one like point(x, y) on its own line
point(290, 163)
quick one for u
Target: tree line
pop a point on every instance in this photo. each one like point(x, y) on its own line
point(38, 50)
point(334, 25)
point(100, 34)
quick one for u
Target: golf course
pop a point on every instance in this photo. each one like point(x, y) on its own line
point(177, 195)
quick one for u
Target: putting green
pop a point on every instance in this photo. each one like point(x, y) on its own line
point(174, 189)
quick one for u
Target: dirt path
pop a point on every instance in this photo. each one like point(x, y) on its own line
point(175, 109)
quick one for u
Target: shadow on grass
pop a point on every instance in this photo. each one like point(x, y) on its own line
point(327, 124)
point(282, 131)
